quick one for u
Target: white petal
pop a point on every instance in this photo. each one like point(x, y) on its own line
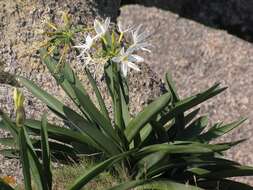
point(98, 27)
point(116, 59)
point(80, 46)
point(135, 58)
point(124, 68)
point(107, 23)
point(133, 66)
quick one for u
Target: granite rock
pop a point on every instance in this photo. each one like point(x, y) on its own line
point(199, 56)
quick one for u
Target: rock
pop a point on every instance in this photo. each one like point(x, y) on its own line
point(235, 16)
point(199, 56)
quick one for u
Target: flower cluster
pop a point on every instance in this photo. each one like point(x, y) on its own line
point(112, 45)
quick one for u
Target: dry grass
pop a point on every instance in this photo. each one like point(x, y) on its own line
point(65, 175)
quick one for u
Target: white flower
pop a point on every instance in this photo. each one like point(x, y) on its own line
point(86, 46)
point(101, 28)
point(127, 60)
point(122, 29)
point(140, 40)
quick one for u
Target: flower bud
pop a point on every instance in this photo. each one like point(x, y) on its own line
point(19, 107)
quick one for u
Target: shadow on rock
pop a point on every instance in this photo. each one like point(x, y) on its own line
point(234, 16)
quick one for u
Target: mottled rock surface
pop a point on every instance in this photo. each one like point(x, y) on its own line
point(20, 22)
point(199, 56)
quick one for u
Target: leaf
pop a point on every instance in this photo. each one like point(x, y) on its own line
point(45, 97)
point(170, 86)
point(68, 80)
point(100, 100)
point(61, 134)
point(96, 116)
point(25, 160)
point(190, 102)
point(223, 184)
point(154, 184)
point(179, 124)
point(34, 163)
point(194, 129)
point(189, 117)
point(102, 141)
point(146, 115)
point(219, 130)
point(46, 160)
point(184, 148)
point(10, 153)
point(233, 171)
point(96, 170)
point(148, 162)
point(9, 125)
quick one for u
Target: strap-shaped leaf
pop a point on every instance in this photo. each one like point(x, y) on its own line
point(46, 159)
point(149, 161)
point(67, 81)
point(219, 130)
point(97, 169)
point(34, 163)
point(190, 116)
point(100, 100)
point(223, 184)
point(61, 134)
point(45, 97)
point(146, 115)
point(231, 171)
point(184, 148)
point(154, 184)
point(8, 124)
point(190, 102)
point(25, 160)
point(103, 142)
point(170, 86)
point(96, 116)
point(194, 129)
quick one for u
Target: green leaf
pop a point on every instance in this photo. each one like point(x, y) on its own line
point(170, 86)
point(223, 184)
point(148, 162)
point(9, 125)
point(46, 160)
point(67, 81)
point(96, 170)
point(8, 141)
point(102, 141)
point(146, 115)
point(45, 97)
point(179, 118)
point(96, 116)
point(233, 171)
point(10, 153)
point(24, 154)
point(153, 184)
point(61, 134)
point(100, 100)
point(189, 117)
point(190, 102)
point(194, 129)
point(219, 130)
point(184, 148)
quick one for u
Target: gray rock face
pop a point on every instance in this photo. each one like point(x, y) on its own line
point(235, 16)
point(199, 56)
